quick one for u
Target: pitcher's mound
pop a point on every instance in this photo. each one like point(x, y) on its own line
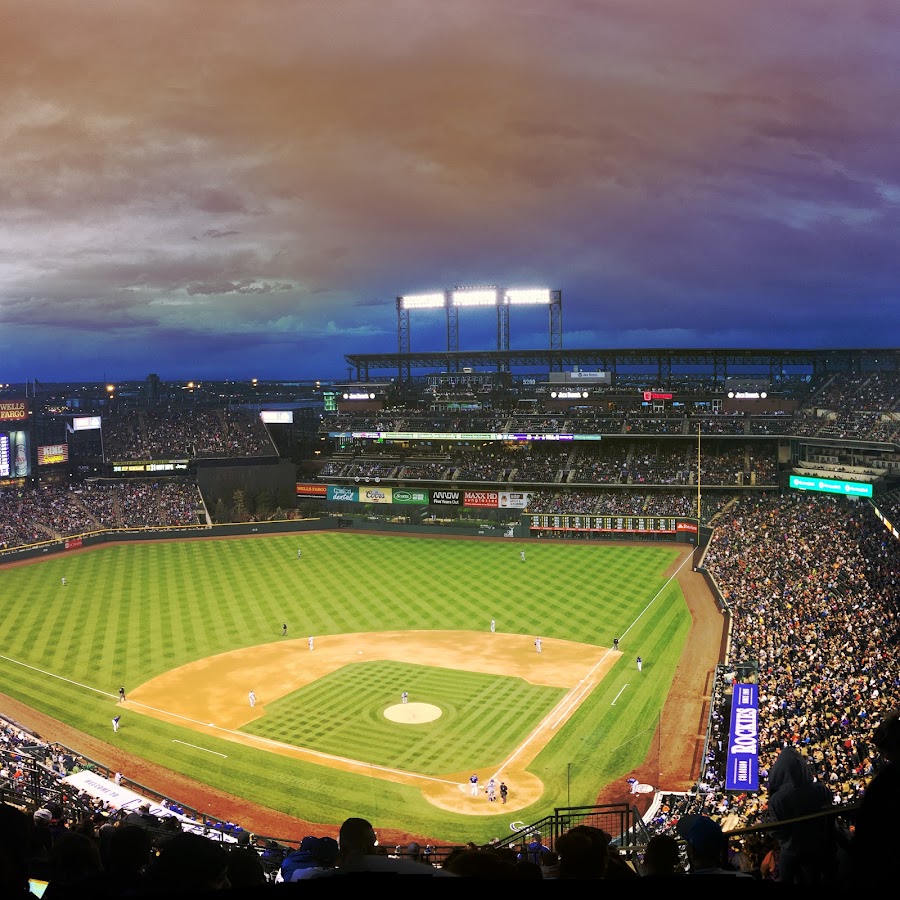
point(413, 713)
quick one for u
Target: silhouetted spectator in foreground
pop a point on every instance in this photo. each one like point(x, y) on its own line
point(313, 856)
point(549, 865)
point(75, 867)
point(125, 851)
point(359, 853)
point(707, 848)
point(188, 863)
point(14, 843)
point(582, 855)
point(876, 838)
point(245, 869)
point(484, 865)
point(662, 858)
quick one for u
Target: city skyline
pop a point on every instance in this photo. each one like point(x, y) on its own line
point(210, 191)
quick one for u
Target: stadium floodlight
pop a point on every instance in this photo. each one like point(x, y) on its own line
point(423, 301)
point(533, 296)
point(477, 297)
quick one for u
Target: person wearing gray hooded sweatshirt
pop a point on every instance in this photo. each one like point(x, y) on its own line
point(807, 849)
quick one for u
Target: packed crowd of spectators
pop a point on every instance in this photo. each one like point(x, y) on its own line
point(628, 503)
point(426, 471)
point(185, 433)
point(813, 586)
point(639, 461)
point(52, 512)
point(68, 825)
point(847, 405)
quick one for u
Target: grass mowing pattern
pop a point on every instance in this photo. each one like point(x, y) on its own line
point(132, 611)
point(484, 716)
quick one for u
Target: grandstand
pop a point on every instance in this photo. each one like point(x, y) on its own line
point(806, 578)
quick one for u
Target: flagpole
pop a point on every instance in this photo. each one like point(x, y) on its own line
point(698, 478)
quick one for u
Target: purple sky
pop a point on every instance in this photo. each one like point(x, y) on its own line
point(241, 188)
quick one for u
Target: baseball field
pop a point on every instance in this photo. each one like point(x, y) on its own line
point(191, 627)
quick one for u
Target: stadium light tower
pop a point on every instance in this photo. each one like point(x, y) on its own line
point(434, 300)
point(536, 296)
point(477, 296)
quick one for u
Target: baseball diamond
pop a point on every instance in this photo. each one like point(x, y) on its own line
point(207, 695)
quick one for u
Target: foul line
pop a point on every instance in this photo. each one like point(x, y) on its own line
point(196, 747)
point(619, 694)
point(87, 687)
point(574, 698)
point(360, 767)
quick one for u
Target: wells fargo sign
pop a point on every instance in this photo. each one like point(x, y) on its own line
point(13, 410)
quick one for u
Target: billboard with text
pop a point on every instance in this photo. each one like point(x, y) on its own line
point(417, 496)
point(345, 493)
point(446, 498)
point(375, 494)
point(13, 410)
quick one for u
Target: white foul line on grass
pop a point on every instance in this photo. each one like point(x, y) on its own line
point(570, 702)
point(87, 687)
point(619, 694)
point(196, 747)
point(243, 735)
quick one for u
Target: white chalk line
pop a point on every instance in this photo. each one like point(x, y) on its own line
point(362, 767)
point(197, 747)
point(558, 715)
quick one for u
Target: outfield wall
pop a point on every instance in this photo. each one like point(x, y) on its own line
point(185, 532)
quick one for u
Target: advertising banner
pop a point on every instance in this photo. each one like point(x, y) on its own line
point(514, 499)
point(343, 493)
point(20, 453)
point(48, 454)
point(830, 486)
point(742, 764)
point(446, 498)
point(13, 410)
point(402, 496)
point(117, 797)
point(312, 490)
point(489, 499)
point(86, 423)
point(686, 526)
point(375, 494)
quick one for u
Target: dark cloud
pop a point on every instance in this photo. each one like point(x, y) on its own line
point(260, 180)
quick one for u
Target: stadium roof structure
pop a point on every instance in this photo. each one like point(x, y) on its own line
point(718, 364)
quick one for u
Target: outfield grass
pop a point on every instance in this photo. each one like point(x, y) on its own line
point(133, 611)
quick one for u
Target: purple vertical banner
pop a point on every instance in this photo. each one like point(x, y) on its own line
point(742, 767)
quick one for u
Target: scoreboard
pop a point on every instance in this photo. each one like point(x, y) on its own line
point(603, 523)
point(4, 456)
